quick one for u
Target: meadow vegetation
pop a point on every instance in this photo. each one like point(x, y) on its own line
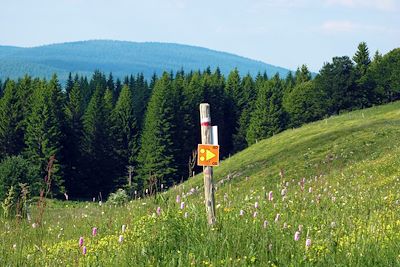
point(325, 194)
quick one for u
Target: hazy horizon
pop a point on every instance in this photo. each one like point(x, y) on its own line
point(285, 33)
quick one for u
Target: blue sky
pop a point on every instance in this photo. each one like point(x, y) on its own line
point(286, 33)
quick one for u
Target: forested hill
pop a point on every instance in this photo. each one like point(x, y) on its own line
point(121, 58)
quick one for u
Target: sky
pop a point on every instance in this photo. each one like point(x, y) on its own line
point(286, 33)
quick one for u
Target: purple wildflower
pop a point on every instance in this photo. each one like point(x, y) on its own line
point(94, 231)
point(255, 214)
point(84, 250)
point(265, 224)
point(80, 241)
point(182, 205)
point(256, 205)
point(158, 211)
point(121, 239)
point(178, 198)
point(308, 242)
point(297, 236)
point(270, 197)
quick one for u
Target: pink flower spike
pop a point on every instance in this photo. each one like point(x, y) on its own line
point(178, 198)
point(182, 205)
point(94, 231)
point(270, 197)
point(297, 236)
point(84, 250)
point(158, 211)
point(255, 214)
point(256, 205)
point(308, 242)
point(80, 241)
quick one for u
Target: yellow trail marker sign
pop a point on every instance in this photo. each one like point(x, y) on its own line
point(208, 155)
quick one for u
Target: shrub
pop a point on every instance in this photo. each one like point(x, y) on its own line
point(118, 198)
point(16, 170)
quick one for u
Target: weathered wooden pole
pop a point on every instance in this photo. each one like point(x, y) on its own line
point(206, 138)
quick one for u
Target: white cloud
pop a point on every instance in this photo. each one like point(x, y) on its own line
point(345, 26)
point(338, 26)
point(386, 5)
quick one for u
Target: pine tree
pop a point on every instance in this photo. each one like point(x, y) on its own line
point(247, 102)
point(156, 156)
point(11, 133)
point(74, 131)
point(96, 145)
point(69, 85)
point(125, 132)
point(268, 117)
point(362, 90)
point(44, 133)
point(302, 74)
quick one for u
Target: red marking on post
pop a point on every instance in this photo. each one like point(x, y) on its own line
point(205, 124)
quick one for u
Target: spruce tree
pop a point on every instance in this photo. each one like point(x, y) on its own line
point(74, 130)
point(44, 135)
point(156, 156)
point(302, 74)
point(11, 117)
point(125, 133)
point(96, 145)
point(268, 117)
point(247, 102)
point(363, 90)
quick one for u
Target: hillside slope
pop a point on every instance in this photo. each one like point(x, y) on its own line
point(336, 202)
point(121, 58)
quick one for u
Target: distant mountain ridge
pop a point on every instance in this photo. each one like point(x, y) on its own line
point(121, 58)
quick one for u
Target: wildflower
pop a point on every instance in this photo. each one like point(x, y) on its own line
point(94, 231)
point(255, 214)
point(121, 239)
point(158, 211)
point(162, 186)
point(277, 217)
point(241, 213)
point(333, 224)
point(265, 224)
point(147, 191)
point(256, 205)
point(297, 236)
point(84, 250)
point(308, 242)
point(80, 243)
point(100, 203)
point(178, 198)
point(283, 192)
point(66, 196)
point(285, 225)
point(300, 227)
point(34, 225)
point(123, 228)
point(186, 215)
point(310, 190)
point(270, 198)
point(15, 246)
point(182, 205)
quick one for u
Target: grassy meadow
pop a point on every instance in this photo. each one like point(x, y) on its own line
point(325, 194)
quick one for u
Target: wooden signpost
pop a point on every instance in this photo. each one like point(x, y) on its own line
point(208, 156)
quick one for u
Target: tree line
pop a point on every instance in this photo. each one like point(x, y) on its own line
point(98, 128)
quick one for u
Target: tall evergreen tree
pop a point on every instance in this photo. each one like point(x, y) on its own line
point(246, 104)
point(156, 156)
point(302, 74)
point(74, 131)
point(11, 117)
point(268, 117)
point(363, 90)
point(44, 133)
point(96, 146)
point(125, 132)
point(69, 85)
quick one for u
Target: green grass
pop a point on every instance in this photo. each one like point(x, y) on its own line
point(351, 213)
